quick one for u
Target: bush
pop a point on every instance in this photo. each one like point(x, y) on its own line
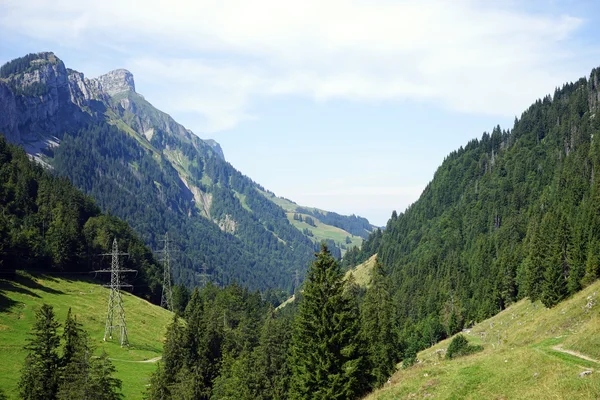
point(460, 347)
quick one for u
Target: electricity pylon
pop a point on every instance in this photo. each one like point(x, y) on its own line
point(205, 276)
point(166, 299)
point(115, 317)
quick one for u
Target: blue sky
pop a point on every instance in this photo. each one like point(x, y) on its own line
point(346, 105)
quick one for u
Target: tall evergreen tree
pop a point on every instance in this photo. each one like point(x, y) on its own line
point(325, 354)
point(172, 362)
point(72, 335)
point(377, 317)
point(40, 374)
point(84, 376)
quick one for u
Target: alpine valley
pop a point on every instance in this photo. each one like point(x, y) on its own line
point(142, 166)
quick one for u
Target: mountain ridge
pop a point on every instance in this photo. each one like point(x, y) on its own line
point(112, 143)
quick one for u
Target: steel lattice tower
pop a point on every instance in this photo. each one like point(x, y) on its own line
point(115, 317)
point(166, 300)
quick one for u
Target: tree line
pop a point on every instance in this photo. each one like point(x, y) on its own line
point(63, 372)
point(48, 226)
point(334, 343)
point(511, 215)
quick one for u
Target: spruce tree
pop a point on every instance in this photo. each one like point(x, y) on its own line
point(172, 362)
point(325, 354)
point(40, 374)
point(85, 376)
point(378, 328)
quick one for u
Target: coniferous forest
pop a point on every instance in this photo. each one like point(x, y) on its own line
point(48, 226)
point(511, 215)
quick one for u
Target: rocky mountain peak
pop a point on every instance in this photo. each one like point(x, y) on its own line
point(117, 81)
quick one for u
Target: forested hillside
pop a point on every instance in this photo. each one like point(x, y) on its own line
point(514, 214)
point(48, 226)
point(144, 167)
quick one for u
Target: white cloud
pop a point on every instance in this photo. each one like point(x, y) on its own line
point(218, 55)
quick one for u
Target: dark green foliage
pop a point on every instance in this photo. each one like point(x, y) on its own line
point(459, 346)
point(20, 65)
point(262, 373)
point(75, 375)
point(40, 374)
point(48, 226)
point(378, 327)
point(513, 214)
point(181, 297)
point(221, 333)
point(84, 376)
point(326, 359)
point(262, 253)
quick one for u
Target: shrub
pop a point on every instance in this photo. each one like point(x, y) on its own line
point(460, 347)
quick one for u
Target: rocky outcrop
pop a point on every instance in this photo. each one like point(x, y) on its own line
point(216, 147)
point(117, 81)
point(41, 101)
point(30, 102)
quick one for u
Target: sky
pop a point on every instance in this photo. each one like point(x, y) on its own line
point(345, 105)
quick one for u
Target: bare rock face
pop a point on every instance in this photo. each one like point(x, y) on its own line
point(32, 99)
point(43, 99)
point(117, 81)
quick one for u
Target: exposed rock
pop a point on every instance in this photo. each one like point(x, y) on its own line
point(40, 104)
point(117, 81)
point(216, 147)
point(227, 224)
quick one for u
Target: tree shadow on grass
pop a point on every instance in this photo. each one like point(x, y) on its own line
point(6, 303)
point(23, 284)
point(144, 347)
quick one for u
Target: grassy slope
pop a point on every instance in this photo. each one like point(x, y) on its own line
point(362, 276)
point(19, 300)
point(321, 231)
point(362, 272)
point(520, 359)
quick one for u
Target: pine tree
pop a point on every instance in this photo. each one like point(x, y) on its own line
point(102, 384)
point(85, 376)
point(535, 264)
point(40, 374)
point(172, 362)
point(377, 317)
point(325, 354)
point(554, 286)
point(272, 354)
point(72, 335)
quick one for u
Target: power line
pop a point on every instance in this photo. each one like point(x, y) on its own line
point(166, 299)
point(205, 276)
point(115, 300)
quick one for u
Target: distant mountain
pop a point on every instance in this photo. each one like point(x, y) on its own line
point(143, 166)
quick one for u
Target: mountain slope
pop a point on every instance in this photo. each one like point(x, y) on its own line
point(339, 231)
point(46, 225)
point(23, 295)
point(512, 215)
point(144, 167)
point(530, 352)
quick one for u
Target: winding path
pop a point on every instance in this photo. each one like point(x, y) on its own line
point(576, 354)
point(152, 360)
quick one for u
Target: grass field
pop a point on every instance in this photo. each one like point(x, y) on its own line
point(524, 357)
point(20, 299)
point(321, 231)
point(362, 272)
